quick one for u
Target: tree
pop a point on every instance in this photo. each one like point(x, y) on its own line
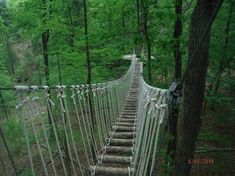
point(178, 27)
point(138, 40)
point(145, 6)
point(45, 41)
point(174, 110)
point(225, 57)
point(4, 14)
point(202, 19)
point(5, 77)
point(87, 43)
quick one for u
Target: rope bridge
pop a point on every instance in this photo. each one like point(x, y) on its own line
point(106, 129)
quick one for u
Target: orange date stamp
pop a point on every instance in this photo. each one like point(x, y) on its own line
point(200, 161)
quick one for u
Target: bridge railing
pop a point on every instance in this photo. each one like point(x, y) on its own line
point(61, 131)
point(152, 117)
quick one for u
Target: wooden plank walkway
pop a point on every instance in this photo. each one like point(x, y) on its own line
point(120, 151)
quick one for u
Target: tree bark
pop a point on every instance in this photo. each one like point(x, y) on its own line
point(87, 42)
point(89, 74)
point(138, 43)
point(174, 110)
point(71, 26)
point(45, 40)
point(123, 26)
point(11, 57)
point(39, 74)
point(202, 19)
point(148, 44)
point(176, 36)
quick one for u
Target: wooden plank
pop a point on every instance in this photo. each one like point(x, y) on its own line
point(115, 159)
point(128, 124)
point(111, 171)
point(122, 142)
point(119, 150)
point(124, 128)
point(127, 119)
point(123, 135)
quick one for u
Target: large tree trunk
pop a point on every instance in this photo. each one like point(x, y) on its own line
point(201, 21)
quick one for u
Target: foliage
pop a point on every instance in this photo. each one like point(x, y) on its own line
point(15, 136)
point(67, 40)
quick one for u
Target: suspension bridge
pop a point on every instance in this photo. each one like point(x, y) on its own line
point(105, 129)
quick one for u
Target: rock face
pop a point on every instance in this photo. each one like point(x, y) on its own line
point(118, 157)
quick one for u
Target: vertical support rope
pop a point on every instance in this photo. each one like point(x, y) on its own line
point(152, 113)
point(21, 100)
point(30, 110)
point(49, 105)
point(90, 136)
point(61, 96)
point(71, 132)
point(74, 89)
point(37, 107)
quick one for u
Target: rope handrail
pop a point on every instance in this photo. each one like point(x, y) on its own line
point(152, 115)
point(71, 86)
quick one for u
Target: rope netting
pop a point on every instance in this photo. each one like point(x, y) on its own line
point(152, 117)
point(67, 130)
point(80, 120)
